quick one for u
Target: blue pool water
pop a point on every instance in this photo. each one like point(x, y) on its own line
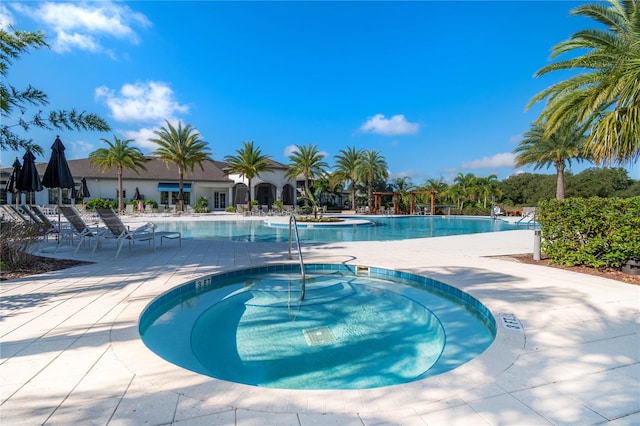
point(380, 229)
point(356, 328)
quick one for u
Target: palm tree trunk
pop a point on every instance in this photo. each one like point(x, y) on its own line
point(120, 198)
point(353, 196)
point(370, 196)
point(249, 194)
point(560, 181)
point(181, 186)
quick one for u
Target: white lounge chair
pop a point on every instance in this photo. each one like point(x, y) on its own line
point(80, 227)
point(122, 234)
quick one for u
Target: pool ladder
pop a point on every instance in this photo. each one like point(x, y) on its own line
point(293, 225)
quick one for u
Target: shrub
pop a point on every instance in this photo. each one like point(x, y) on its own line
point(17, 243)
point(596, 232)
point(202, 205)
point(152, 203)
point(94, 203)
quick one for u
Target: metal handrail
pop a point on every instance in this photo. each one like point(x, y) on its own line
point(294, 224)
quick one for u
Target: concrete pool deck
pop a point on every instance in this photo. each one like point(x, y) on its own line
point(71, 353)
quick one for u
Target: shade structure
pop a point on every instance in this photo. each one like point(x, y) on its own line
point(83, 189)
point(28, 178)
point(57, 174)
point(136, 195)
point(10, 188)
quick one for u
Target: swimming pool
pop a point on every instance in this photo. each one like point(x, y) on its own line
point(379, 229)
point(357, 328)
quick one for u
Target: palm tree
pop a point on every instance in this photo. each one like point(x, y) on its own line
point(248, 163)
point(120, 155)
point(464, 188)
point(346, 169)
point(402, 185)
point(182, 146)
point(372, 167)
point(541, 149)
point(607, 98)
point(306, 160)
point(488, 187)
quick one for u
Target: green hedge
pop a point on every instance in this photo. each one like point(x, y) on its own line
point(596, 232)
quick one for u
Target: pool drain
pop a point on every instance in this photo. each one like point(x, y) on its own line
point(318, 336)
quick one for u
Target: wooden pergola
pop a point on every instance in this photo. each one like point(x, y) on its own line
point(377, 196)
point(413, 200)
point(377, 201)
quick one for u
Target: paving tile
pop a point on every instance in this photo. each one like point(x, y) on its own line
point(507, 410)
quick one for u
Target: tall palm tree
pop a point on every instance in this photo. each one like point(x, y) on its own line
point(120, 155)
point(248, 163)
point(605, 99)
point(464, 188)
point(541, 149)
point(372, 167)
point(306, 160)
point(346, 169)
point(183, 147)
point(488, 187)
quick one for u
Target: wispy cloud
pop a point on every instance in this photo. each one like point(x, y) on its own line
point(83, 25)
point(141, 102)
point(290, 149)
point(503, 159)
point(141, 138)
point(396, 125)
point(6, 18)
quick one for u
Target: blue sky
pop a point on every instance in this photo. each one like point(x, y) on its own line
point(438, 87)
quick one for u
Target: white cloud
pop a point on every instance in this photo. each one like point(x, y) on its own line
point(516, 139)
point(141, 138)
point(396, 125)
point(80, 25)
point(503, 159)
point(6, 18)
point(290, 149)
point(148, 102)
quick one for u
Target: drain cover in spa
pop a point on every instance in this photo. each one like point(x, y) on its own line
point(318, 336)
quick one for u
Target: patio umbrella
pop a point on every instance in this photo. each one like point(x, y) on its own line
point(138, 198)
point(57, 174)
point(28, 178)
point(83, 190)
point(10, 188)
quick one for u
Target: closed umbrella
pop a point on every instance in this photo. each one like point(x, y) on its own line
point(57, 174)
point(28, 178)
point(83, 190)
point(138, 198)
point(10, 188)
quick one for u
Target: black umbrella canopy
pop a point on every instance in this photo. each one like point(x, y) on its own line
point(136, 195)
point(28, 178)
point(83, 189)
point(57, 174)
point(11, 183)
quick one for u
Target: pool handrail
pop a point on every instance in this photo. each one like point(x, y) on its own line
point(293, 223)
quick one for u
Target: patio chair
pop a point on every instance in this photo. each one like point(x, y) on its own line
point(10, 212)
point(80, 227)
point(121, 233)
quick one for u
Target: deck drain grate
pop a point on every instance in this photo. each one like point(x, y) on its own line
point(318, 336)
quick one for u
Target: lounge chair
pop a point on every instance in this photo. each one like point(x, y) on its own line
point(80, 227)
point(10, 212)
point(121, 232)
